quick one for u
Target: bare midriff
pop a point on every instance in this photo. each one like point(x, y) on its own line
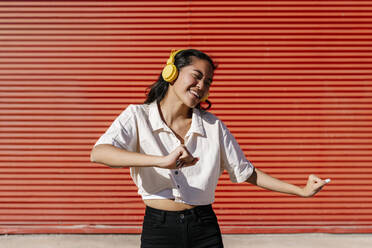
point(167, 204)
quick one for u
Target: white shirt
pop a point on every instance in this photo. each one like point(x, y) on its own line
point(139, 128)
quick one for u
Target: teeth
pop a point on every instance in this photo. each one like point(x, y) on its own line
point(194, 93)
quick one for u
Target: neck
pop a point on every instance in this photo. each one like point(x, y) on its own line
point(173, 111)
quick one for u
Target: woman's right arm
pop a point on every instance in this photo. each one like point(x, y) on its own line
point(117, 158)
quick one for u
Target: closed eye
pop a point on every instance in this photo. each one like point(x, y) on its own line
point(199, 75)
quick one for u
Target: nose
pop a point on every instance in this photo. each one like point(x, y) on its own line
point(201, 85)
point(203, 89)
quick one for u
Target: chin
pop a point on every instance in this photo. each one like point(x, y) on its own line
point(193, 105)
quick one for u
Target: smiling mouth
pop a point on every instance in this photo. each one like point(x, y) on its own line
point(195, 94)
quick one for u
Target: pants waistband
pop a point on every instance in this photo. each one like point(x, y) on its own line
point(198, 210)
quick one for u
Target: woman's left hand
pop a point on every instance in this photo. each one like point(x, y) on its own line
point(313, 186)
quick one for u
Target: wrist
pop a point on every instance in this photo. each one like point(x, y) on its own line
point(159, 161)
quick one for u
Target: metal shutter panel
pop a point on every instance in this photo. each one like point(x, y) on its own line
point(293, 85)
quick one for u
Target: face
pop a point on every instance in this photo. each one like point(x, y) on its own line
point(193, 82)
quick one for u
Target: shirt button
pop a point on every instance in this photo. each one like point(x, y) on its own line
point(178, 186)
point(176, 172)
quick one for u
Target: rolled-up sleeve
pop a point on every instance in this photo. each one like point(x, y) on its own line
point(233, 159)
point(123, 131)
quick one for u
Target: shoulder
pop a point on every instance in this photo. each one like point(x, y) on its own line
point(135, 109)
point(132, 113)
point(208, 116)
point(211, 119)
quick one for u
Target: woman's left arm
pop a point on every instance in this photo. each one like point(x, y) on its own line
point(263, 180)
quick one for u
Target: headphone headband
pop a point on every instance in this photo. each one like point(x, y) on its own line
point(172, 56)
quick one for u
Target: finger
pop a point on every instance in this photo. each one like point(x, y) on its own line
point(195, 160)
point(179, 163)
point(183, 154)
point(324, 182)
point(186, 157)
point(182, 164)
point(186, 160)
point(192, 162)
point(319, 186)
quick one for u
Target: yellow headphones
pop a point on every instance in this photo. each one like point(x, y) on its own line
point(170, 71)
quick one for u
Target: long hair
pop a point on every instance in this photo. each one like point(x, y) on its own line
point(157, 91)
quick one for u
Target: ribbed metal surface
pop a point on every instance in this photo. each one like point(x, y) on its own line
point(293, 85)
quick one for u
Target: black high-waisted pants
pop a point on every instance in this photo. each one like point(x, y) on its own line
point(194, 228)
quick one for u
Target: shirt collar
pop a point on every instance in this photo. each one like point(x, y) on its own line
point(196, 123)
point(158, 124)
point(155, 119)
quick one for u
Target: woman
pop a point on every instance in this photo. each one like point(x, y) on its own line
point(176, 151)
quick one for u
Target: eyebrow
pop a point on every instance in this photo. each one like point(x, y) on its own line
point(198, 71)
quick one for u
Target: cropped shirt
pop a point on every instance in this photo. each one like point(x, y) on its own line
point(140, 128)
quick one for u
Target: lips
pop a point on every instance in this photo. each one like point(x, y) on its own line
point(194, 93)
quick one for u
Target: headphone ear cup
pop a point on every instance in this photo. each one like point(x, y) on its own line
point(170, 73)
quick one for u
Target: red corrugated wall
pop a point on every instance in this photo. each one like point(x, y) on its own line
point(293, 85)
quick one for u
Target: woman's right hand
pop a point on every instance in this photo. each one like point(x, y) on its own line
point(179, 158)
